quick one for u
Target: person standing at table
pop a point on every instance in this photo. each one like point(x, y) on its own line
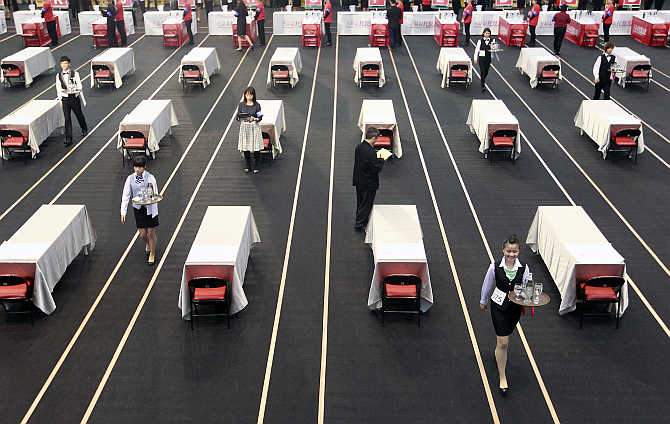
point(110, 13)
point(119, 22)
point(456, 7)
point(241, 14)
point(367, 165)
point(260, 21)
point(146, 217)
point(483, 56)
point(393, 15)
point(250, 139)
point(533, 17)
point(188, 21)
point(327, 21)
point(50, 19)
point(607, 19)
point(467, 20)
point(69, 92)
point(500, 279)
point(602, 76)
point(561, 21)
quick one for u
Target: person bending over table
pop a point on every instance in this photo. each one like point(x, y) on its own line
point(69, 92)
point(146, 217)
point(250, 139)
point(483, 56)
point(241, 14)
point(367, 165)
point(500, 279)
point(602, 76)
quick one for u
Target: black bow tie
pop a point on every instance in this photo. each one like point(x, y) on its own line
point(139, 179)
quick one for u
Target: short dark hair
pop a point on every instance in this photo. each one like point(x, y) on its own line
point(511, 239)
point(64, 59)
point(371, 133)
point(609, 45)
point(564, 8)
point(486, 30)
point(140, 160)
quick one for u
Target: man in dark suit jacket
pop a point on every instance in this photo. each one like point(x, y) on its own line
point(366, 177)
point(394, 14)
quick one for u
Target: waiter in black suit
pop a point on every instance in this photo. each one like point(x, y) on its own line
point(367, 166)
point(602, 76)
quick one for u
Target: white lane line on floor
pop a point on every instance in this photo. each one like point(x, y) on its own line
point(646, 303)
point(329, 226)
point(287, 254)
point(111, 277)
point(526, 345)
point(65, 43)
point(90, 133)
point(452, 264)
point(7, 38)
point(611, 97)
point(660, 72)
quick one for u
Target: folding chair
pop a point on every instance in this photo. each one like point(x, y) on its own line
point(210, 291)
point(384, 140)
point(102, 75)
point(625, 142)
point(170, 36)
point(641, 74)
point(370, 74)
point(133, 143)
point(16, 290)
point(267, 147)
point(503, 141)
point(311, 36)
point(517, 37)
point(549, 74)
point(190, 75)
point(401, 293)
point(459, 73)
point(590, 38)
point(12, 74)
point(15, 144)
point(599, 290)
point(280, 75)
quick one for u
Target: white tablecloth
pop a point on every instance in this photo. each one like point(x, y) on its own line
point(486, 19)
point(33, 61)
point(574, 250)
point(287, 56)
point(599, 118)
point(273, 122)
point(486, 117)
point(87, 18)
point(50, 240)
point(353, 23)
point(545, 23)
point(394, 234)
point(38, 119)
point(368, 56)
point(23, 16)
point(206, 59)
point(287, 23)
point(450, 56)
point(418, 23)
point(154, 118)
point(3, 24)
point(153, 21)
point(628, 58)
point(533, 59)
point(221, 23)
point(622, 20)
point(119, 60)
point(381, 115)
point(221, 247)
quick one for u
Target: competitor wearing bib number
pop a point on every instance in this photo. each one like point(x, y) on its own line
point(499, 281)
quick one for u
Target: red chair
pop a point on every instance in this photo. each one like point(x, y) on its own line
point(15, 144)
point(590, 37)
point(459, 73)
point(190, 74)
point(12, 75)
point(449, 38)
point(210, 291)
point(659, 37)
point(102, 76)
point(517, 37)
point(370, 74)
point(599, 290)
point(267, 147)
point(379, 35)
point(35, 34)
point(171, 36)
point(311, 36)
point(625, 142)
point(640, 74)
point(384, 140)
point(16, 290)
point(280, 75)
point(549, 75)
point(401, 293)
point(133, 143)
point(503, 141)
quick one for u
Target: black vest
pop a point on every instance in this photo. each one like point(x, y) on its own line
point(486, 48)
point(604, 71)
point(504, 284)
point(62, 81)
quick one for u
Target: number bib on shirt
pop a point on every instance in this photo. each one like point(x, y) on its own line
point(498, 296)
point(482, 53)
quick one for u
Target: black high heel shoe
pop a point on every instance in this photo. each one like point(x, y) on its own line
point(503, 390)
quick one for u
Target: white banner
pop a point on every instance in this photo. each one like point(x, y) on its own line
point(288, 23)
point(487, 19)
point(545, 24)
point(353, 23)
point(221, 23)
point(87, 18)
point(418, 23)
point(622, 21)
point(153, 21)
point(22, 16)
point(3, 24)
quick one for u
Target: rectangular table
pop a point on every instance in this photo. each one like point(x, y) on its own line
point(622, 20)
point(601, 119)
point(545, 23)
point(207, 61)
point(35, 120)
point(445, 32)
point(221, 248)
point(486, 117)
point(450, 56)
point(510, 26)
point(119, 60)
point(273, 123)
point(419, 23)
point(381, 115)
point(583, 31)
point(368, 56)
point(87, 18)
point(22, 16)
point(153, 21)
point(573, 249)
point(627, 59)
point(485, 19)
point(533, 59)
point(32, 61)
point(651, 31)
point(289, 57)
point(287, 23)
point(154, 118)
point(395, 236)
point(221, 23)
point(353, 23)
point(45, 246)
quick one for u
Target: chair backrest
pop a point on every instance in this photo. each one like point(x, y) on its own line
point(614, 282)
point(100, 68)
point(190, 68)
point(645, 67)
point(386, 133)
point(459, 67)
point(206, 283)
point(630, 132)
point(402, 280)
point(131, 134)
point(504, 133)
point(12, 280)
point(551, 68)
point(370, 67)
point(279, 68)
point(10, 133)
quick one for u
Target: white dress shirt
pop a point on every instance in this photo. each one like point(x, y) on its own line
point(72, 86)
point(490, 279)
point(134, 183)
point(596, 66)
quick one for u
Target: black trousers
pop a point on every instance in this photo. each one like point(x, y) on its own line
point(257, 159)
point(467, 34)
point(394, 37)
point(659, 4)
point(111, 36)
point(329, 36)
point(261, 31)
point(51, 29)
point(484, 65)
point(559, 34)
point(189, 30)
point(603, 86)
point(532, 29)
point(75, 7)
point(606, 31)
point(365, 198)
point(208, 6)
point(121, 28)
point(72, 104)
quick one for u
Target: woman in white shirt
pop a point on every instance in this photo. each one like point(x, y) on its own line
point(483, 56)
point(69, 91)
point(146, 217)
point(499, 281)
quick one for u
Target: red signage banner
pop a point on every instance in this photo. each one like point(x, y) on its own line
point(570, 3)
point(313, 4)
point(377, 3)
point(59, 3)
point(440, 3)
point(503, 3)
point(631, 3)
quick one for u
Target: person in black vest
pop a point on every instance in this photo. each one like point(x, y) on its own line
point(367, 166)
point(69, 92)
point(109, 13)
point(394, 14)
point(500, 279)
point(602, 76)
point(483, 56)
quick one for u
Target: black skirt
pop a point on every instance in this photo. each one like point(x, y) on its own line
point(242, 27)
point(504, 321)
point(143, 220)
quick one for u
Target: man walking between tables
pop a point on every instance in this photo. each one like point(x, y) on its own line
point(561, 21)
point(328, 13)
point(368, 162)
point(260, 21)
point(50, 19)
point(602, 76)
point(394, 14)
point(69, 91)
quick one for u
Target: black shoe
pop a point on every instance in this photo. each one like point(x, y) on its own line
point(261, 44)
point(483, 89)
point(84, 133)
point(67, 141)
point(256, 171)
point(503, 391)
point(359, 229)
point(329, 44)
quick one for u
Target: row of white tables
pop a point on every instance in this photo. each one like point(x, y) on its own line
point(28, 16)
